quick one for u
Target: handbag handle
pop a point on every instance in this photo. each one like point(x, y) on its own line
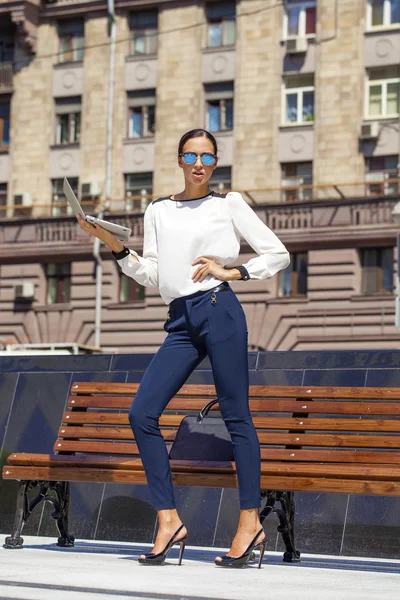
point(206, 409)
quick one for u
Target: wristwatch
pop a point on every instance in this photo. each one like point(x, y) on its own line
point(121, 254)
point(242, 270)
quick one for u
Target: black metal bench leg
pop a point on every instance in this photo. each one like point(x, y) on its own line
point(60, 513)
point(286, 528)
point(269, 504)
point(21, 516)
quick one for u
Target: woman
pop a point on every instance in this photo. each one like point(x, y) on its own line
point(189, 239)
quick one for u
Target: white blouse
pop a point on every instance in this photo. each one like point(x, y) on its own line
point(177, 232)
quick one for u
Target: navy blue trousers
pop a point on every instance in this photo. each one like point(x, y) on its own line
point(197, 327)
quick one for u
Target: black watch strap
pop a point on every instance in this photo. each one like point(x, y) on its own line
point(244, 272)
point(121, 254)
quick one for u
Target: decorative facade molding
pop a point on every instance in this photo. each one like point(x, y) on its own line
point(26, 17)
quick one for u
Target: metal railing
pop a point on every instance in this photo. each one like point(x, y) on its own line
point(6, 75)
point(281, 214)
point(332, 214)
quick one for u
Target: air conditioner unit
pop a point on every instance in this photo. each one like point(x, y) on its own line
point(369, 130)
point(24, 200)
point(90, 189)
point(296, 46)
point(24, 291)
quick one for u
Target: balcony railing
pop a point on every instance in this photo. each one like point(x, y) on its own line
point(334, 213)
point(58, 231)
point(369, 214)
point(356, 206)
point(6, 76)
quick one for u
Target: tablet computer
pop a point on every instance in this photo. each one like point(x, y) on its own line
point(119, 231)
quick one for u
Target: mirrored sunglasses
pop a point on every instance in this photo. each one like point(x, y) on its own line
point(189, 158)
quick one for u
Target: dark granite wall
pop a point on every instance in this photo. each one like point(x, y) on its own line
point(33, 393)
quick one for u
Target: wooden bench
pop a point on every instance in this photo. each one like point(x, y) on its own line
point(316, 439)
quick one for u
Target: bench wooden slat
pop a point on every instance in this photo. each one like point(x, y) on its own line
point(71, 418)
point(331, 456)
point(104, 462)
point(309, 424)
point(109, 475)
point(290, 406)
point(255, 391)
point(328, 456)
point(267, 438)
point(127, 448)
point(106, 433)
point(387, 472)
point(321, 484)
point(368, 487)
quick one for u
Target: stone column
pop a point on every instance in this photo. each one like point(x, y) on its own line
point(180, 98)
point(339, 93)
point(94, 102)
point(32, 119)
point(257, 95)
point(120, 123)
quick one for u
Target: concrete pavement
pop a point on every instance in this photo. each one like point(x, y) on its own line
point(97, 570)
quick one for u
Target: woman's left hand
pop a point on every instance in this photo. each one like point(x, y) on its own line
point(209, 267)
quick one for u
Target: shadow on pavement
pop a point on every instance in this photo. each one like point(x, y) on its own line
point(208, 556)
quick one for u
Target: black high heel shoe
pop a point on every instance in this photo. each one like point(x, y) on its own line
point(241, 561)
point(158, 559)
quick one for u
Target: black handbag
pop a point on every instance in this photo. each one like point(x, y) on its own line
point(202, 438)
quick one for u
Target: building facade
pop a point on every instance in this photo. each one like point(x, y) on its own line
point(303, 97)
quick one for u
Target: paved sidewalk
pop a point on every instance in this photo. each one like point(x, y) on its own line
point(98, 570)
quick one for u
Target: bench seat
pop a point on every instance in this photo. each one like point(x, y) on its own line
point(319, 439)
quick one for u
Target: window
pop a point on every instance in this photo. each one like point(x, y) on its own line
point(68, 120)
point(293, 279)
point(219, 106)
point(58, 198)
point(71, 36)
point(221, 179)
point(383, 13)
point(299, 100)
point(3, 200)
point(377, 270)
point(58, 283)
point(6, 49)
point(221, 19)
point(379, 171)
point(144, 27)
point(138, 191)
point(130, 290)
point(293, 176)
point(299, 19)
point(142, 114)
point(6, 62)
point(383, 92)
point(4, 125)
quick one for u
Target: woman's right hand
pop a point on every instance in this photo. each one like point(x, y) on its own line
point(97, 231)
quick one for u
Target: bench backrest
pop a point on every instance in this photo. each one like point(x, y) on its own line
point(317, 424)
